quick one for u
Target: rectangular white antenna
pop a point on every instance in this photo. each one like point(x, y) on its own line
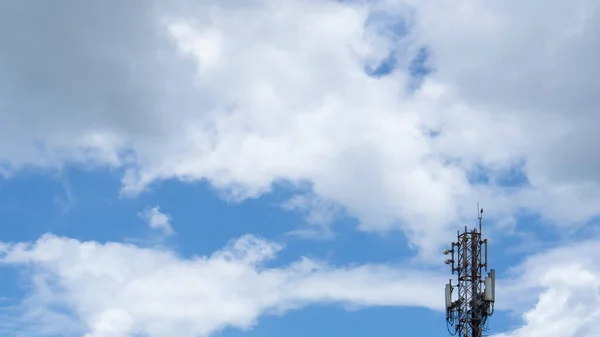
point(487, 293)
point(448, 299)
point(493, 278)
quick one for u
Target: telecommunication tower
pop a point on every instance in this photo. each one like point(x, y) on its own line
point(468, 314)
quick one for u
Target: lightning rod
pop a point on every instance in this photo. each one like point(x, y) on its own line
point(467, 316)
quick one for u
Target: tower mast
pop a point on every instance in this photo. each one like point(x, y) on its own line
point(467, 315)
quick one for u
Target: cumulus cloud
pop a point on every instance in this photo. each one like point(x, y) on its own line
point(559, 290)
point(157, 220)
point(248, 94)
point(120, 290)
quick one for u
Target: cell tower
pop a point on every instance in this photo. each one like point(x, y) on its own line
point(468, 314)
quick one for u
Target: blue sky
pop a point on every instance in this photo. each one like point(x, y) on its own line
point(204, 223)
point(227, 168)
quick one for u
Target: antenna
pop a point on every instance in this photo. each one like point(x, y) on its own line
point(468, 315)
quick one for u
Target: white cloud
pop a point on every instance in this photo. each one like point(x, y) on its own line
point(319, 214)
point(118, 290)
point(246, 94)
point(559, 291)
point(67, 200)
point(157, 220)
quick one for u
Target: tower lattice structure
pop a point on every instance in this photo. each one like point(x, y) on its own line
point(467, 315)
